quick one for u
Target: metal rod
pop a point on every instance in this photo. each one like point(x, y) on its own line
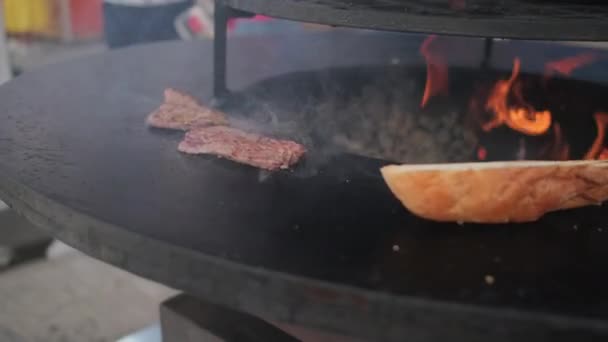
point(219, 49)
point(487, 53)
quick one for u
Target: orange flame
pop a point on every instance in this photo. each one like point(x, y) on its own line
point(597, 150)
point(566, 66)
point(522, 118)
point(436, 71)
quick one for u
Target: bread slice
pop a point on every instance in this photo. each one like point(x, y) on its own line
point(497, 192)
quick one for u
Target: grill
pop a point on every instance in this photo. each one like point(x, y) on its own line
point(325, 245)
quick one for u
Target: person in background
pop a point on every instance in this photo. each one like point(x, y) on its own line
point(128, 22)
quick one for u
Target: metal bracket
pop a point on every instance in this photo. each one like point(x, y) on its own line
point(221, 15)
point(487, 53)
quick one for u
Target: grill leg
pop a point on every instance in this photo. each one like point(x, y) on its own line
point(187, 319)
point(219, 49)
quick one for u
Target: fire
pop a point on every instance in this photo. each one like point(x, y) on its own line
point(507, 106)
point(597, 150)
point(520, 117)
point(436, 71)
point(567, 65)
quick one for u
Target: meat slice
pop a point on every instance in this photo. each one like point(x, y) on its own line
point(243, 147)
point(181, 111)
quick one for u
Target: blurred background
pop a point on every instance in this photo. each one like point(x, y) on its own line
point(39, 32)
point(42, 31)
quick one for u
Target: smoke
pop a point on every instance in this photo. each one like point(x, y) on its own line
point(371, 112)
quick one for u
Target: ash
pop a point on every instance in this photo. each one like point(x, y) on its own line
point(368, 111)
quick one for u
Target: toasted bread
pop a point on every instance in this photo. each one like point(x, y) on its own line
point(497, 192)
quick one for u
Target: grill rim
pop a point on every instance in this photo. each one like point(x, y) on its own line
point(577, 25)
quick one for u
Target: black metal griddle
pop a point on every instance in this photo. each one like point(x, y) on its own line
point(331, 249)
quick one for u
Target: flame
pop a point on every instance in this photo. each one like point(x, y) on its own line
point(522, 118)
point(566, 66)
point(436, 71)
point(597, 150)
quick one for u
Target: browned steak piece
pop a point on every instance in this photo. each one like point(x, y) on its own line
point(181, 111)
point(243, 147)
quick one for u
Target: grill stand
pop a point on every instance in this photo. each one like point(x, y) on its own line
point(223, 13)
point(184, 318)
point(220, 23)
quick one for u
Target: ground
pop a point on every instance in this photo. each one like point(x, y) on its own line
point(72, 297)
